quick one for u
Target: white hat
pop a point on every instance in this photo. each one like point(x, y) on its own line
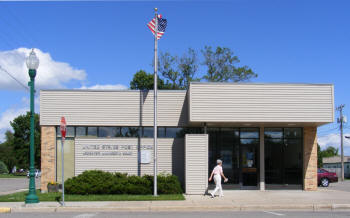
point(218, 161)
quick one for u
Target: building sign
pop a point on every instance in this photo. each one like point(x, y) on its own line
point(108, 150)
point(112, 154)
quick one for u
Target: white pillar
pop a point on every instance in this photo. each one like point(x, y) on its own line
point(262, 159)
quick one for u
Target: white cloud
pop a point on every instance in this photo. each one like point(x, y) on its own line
point(333, 139)
point(107, 87)
point(50, 74)
point(8, 116)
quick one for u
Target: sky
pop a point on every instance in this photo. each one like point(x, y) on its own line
point(102, 44)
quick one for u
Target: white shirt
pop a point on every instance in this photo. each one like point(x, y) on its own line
point(217, 170)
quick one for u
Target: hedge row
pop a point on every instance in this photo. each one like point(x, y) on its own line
point(100, 182)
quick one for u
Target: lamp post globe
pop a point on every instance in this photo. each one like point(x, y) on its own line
point(32, 62)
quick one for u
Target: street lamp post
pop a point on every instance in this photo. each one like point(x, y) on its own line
point(32, 63)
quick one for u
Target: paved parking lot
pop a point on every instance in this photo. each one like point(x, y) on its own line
point(339, 186)
point(11, 185)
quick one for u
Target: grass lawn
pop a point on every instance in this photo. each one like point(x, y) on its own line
point(10, 176)
point(20, 196)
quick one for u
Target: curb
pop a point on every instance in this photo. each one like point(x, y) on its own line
point(5, 210)
point(150, 208)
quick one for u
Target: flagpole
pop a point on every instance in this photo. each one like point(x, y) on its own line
point(155, 101)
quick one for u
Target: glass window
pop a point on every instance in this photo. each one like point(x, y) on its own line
point(108, 132)
point(147, 132)
point(249, 141)
point(173, 132)
point(92, 131)
point(249, 133)
point(292, 132)
point(69, 132)
point(273, 133)
point(161, 132)
point(193, 130)
point(80, 131)
point(58, 131)
point(130, 132)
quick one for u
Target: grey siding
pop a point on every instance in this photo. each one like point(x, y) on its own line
point(227, 102)
point(170, 156)
point(112, 108)
point(196, 163)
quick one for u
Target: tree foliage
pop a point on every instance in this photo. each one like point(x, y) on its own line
point(188, 67)
point(177, 72)
point(3, 168)
point(327, 152)
point(21, 140)
point(221, 66)
point(145, 81)
point(7, 152)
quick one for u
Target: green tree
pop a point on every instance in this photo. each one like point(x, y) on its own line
point(3, 168)
point(221, 65)
point(188, 67)
point(145, 81)
point(21, 128)
point(178, 72)
point(330, 151)
point(7, 154)
point(168, 69)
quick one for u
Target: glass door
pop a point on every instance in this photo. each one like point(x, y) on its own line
point(249, 144)
point(249, 165)
point(229, 154)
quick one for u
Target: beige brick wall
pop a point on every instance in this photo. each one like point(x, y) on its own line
point(310, 158)
point(48, 156)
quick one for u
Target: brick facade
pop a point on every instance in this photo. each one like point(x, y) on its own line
point(310, 158)
point(48, 156)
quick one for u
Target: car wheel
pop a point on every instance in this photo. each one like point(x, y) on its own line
point(324, 182)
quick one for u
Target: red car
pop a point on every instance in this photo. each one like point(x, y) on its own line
point(324, 177)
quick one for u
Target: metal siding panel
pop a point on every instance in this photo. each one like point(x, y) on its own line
point(170, 156)
point(118, 108)
point(196, 163)
point(260, 103)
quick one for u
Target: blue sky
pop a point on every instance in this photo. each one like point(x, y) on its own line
point(105, 43)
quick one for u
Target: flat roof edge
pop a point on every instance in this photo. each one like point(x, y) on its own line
point(109, 90)
point(262, 83)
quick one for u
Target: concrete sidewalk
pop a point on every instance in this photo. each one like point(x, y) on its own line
point(322, 200)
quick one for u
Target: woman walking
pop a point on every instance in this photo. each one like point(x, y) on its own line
point(217, 173)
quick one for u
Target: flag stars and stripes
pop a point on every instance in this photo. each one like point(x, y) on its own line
point(162, 24)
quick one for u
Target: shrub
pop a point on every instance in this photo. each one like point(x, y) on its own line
point(100, 182)
point(3, 168)
point(168, 184)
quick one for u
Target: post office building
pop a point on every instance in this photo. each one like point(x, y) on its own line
point(265, 134)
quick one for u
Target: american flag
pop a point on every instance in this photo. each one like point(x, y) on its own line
point(162, 23)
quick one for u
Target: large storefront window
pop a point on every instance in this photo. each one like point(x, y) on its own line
point(283, 155)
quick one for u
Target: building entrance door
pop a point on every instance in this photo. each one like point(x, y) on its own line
point(238, 149)
point(249, 169)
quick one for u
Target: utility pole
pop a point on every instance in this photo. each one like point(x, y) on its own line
point(341, 120)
